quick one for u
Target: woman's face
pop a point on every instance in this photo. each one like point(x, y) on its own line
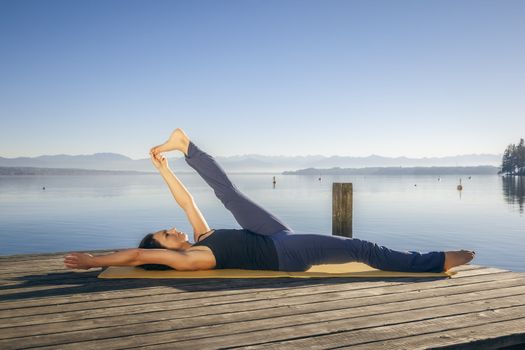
point(171, 238)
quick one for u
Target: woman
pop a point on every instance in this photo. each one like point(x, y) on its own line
point(263, 243)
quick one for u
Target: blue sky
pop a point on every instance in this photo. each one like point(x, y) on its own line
point(392, 78)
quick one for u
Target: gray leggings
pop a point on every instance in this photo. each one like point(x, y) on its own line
point(299, 251)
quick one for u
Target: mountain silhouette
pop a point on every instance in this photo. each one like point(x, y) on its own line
point(247, 162)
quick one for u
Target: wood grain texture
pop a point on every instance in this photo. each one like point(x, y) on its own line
point(342, 204)
point(45, 306)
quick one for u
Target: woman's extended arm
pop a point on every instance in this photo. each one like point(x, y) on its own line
point(177, 188)
point(85, 261)
point(137, 256)
point(182, 196)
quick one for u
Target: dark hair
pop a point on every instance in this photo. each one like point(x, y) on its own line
point(149, 242)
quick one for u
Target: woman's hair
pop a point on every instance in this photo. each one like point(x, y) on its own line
point(149, 242)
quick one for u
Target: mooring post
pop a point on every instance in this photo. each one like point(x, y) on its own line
point(342, 209)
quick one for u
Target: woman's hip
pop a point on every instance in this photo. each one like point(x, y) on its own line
point(298, 252)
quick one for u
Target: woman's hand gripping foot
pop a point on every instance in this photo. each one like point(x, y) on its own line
point(178, 140)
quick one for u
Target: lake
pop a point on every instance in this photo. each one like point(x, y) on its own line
point(80, 213)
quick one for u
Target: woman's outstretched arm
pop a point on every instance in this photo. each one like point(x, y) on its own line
point(182, 196)
point(136, 256)
point(85, 261)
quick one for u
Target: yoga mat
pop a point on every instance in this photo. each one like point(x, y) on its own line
point(353, 269)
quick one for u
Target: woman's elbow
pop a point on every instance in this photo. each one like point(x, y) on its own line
point(138, 257)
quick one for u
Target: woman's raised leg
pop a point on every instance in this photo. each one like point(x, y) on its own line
point(248, 214)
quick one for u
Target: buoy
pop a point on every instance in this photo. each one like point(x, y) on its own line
point(459, 186)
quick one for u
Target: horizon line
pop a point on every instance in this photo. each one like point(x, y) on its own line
point(264, 155)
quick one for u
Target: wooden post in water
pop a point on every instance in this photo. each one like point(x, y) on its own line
point(342, 209)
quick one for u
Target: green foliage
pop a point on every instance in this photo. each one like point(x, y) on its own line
point(513, 161)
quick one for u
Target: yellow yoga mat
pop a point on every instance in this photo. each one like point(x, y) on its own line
point(353, 269)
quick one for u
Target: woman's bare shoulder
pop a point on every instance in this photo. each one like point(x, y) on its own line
point(202, 236)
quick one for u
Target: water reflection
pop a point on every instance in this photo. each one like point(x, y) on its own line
point(513, 188)
point(105, 212)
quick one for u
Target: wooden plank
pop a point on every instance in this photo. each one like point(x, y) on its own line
point(125, 305)
point(494, 336)
point(57, 267)
point(138, 285)
point(91, 278)
point(224, 312)
point(98, 315)
point(46, 271)
point(144, 287)
point(43, 276)
point(337, 336)
point(55, 278)
point(221, 304)
point(321, 325)
point(79, 276)
point(482, 327)
point(93, 284)
point(157, 321)
point(67, 276)
point(116, 299)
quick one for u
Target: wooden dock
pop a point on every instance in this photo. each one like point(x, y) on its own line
point(45, 306)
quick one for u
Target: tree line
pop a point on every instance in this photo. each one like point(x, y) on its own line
point(513, 162)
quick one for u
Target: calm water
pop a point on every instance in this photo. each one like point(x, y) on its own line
point(76, 213)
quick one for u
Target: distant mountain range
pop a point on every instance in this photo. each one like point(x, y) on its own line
point(467, 170)
point(15, 170)
point(247, 163)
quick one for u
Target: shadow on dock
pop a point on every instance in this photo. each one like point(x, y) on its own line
point(86, 282)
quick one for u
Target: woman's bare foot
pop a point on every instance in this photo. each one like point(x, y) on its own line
point(457, 257)
point(178, 140)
